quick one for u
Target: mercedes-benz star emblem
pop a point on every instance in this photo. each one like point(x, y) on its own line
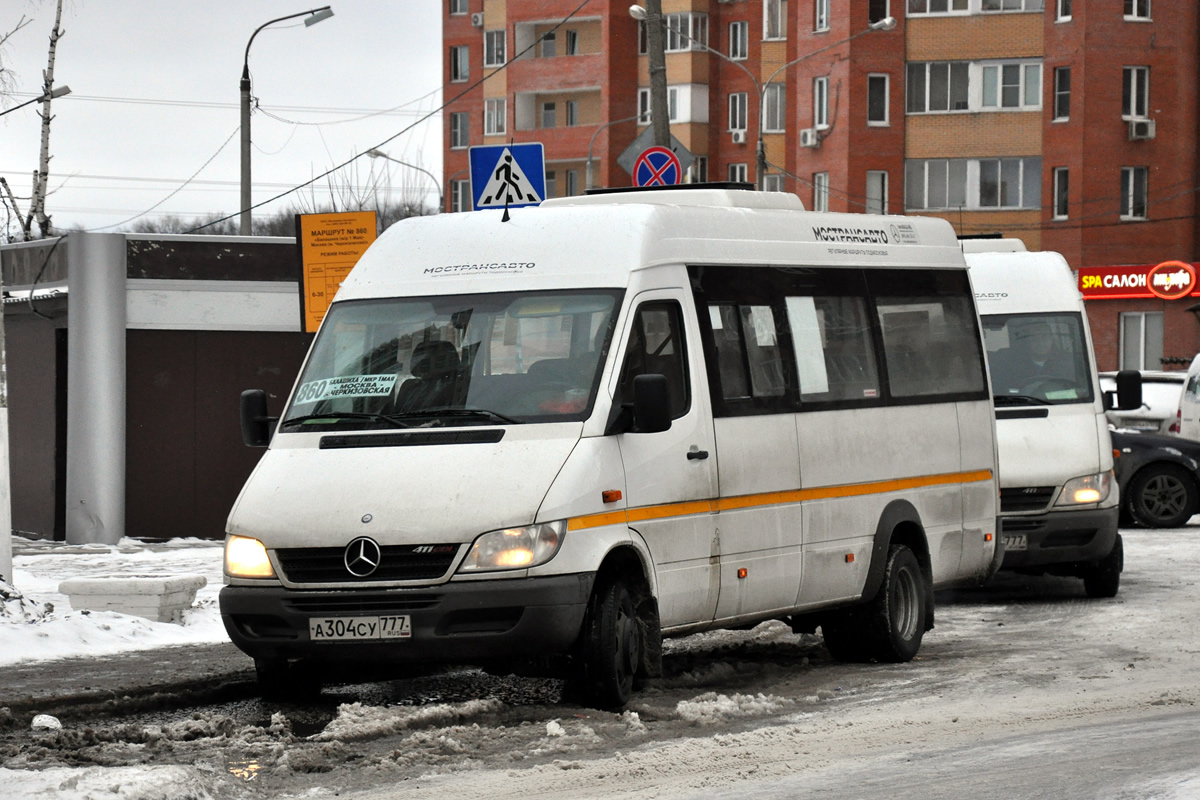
point(362, 557)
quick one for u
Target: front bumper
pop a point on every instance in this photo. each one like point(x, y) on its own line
point(472, 622)
point(1058, 538)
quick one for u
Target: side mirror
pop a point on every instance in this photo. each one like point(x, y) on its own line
point(651, 404)
point(1129, 389)
point(257, 427)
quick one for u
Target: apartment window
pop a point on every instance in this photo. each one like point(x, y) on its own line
point(1141, 340)
point(687, 31)
point(1135, 90)
point(572, 43)
point(460, 64)
point(458, 7)
point(936, 6)
point(774, 101)
point(1063, 10)
point(458, 130)
point(1013, 5)
point(737, 111)
point(877, 10)
point(460, 195)
point(938, 86)
point(772, 183)
point(643, 106)
point(821, 15)
point(937, 183)
point(1010, 182)
point(774, 19)
point(877, 188)
point(551, 183)
point(737, 173)
point(672, 105)
point(548, 115)
point(739, 40)
point(821, 103)
point(493, 48)
point(1133, 192)
point(1012, 85)
point(698, 171)
point(1062, 92)
point(1062, 183)
point(549, 46)
point(820, 191)
point(571, 109)
point(877, 99)
point(572, 176)
point(1137, 9)
point(494, 112)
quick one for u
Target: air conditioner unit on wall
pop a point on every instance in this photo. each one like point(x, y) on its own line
point(739, 137)
point(809, 138)
point(1141, 129)
point(477, 19)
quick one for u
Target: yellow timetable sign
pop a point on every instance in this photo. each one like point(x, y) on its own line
point(330, 246)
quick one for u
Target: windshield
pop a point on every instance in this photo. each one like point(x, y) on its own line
point(1037, 358)
point(455, 360)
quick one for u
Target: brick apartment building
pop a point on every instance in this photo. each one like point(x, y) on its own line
point(1070, 124)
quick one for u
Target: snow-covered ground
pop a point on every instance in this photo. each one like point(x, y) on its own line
point(37, 622)
point(1026, 668)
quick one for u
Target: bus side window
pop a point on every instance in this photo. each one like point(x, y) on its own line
point(656, 346)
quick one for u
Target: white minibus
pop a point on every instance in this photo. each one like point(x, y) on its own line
point(540, 444)
point(1058, 498)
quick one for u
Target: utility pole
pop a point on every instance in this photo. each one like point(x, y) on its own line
point(660, 118)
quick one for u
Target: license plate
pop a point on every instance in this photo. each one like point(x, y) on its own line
point(1015, 542)
point(350, 629)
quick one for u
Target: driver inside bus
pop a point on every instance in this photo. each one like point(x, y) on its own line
point(1034, 356)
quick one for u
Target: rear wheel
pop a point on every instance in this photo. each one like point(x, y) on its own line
point(890, 627)
point(1163, 496)
point(610, 648)
point(1103, 579)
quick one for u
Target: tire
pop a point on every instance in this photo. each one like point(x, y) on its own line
point(890, 627)
point(1163, 496)
point(609, 654)
point(281, 681)
point(1103, 579)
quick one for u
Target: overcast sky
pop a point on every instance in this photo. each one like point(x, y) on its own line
point(154, 96)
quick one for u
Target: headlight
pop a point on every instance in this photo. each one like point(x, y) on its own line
point(247, 558)
point(515, 548)
point(1086, 490)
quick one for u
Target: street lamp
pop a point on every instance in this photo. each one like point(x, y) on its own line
point(760, 166)
point(314, 16)
point(432, 177)
point(57, 91)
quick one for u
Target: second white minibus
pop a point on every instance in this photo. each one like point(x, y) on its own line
point(542, 444)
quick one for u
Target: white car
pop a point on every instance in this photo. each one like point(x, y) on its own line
point(1159, 413)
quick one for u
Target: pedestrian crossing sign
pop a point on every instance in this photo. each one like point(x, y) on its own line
point(508, 175)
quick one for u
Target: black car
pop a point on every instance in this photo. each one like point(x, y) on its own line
point(1159, 478)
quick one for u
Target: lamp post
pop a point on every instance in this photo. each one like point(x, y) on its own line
point(57, 91)
point(660, 119)
point(760, 154)
point(588, 182)
point(314, 16)
point(441, 197)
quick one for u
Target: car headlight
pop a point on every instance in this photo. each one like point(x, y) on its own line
point(247, 558)
point(1086, 490)
point(515, 548)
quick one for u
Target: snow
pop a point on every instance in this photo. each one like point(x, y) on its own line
point(37, 622)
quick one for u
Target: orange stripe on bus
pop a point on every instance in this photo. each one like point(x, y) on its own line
point(694, 507)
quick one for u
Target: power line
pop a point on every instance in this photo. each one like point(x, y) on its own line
point(395, 111)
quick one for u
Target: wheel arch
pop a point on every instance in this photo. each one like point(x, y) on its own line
point(900, 524)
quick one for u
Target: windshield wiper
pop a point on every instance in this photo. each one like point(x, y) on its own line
point(447, 411)
point(1018, 400)
point(340, 415)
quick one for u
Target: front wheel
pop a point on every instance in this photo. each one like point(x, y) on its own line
point(1103, 579)
point(610, 648)
point(1163, 496)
